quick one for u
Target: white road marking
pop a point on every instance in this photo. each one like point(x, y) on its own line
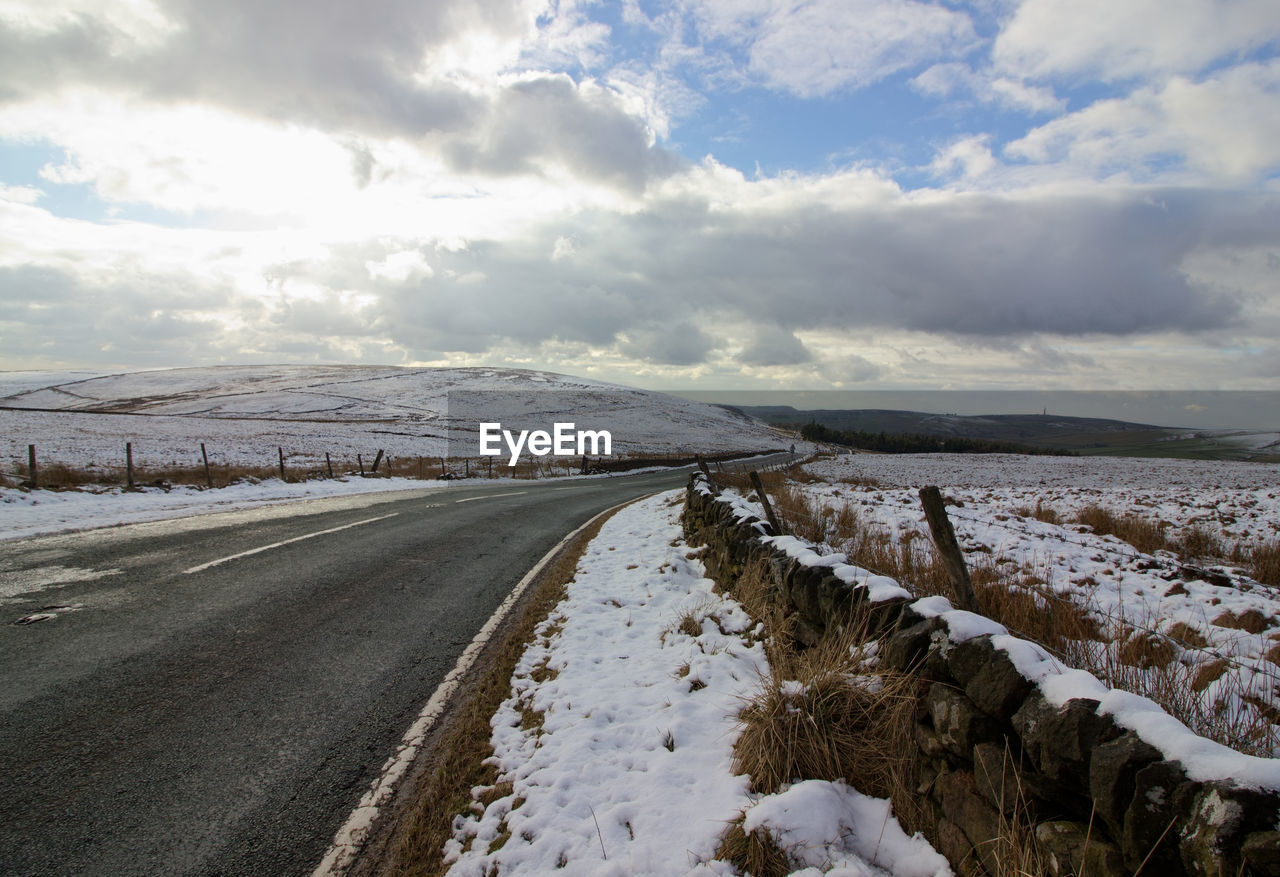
point(349, 840)
point(492, 496)
point(231, 557)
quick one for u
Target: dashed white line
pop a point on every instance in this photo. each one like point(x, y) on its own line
point(492, 496)
point(231, 557)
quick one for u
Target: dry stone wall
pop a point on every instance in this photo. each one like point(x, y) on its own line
point(1109, 784)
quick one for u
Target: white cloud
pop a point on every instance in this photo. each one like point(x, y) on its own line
point(969, 157)
point(20, 194)
point(400, 267)
point(1118, 40)
point(952, 78)
point(1225, 128)
point(823, 46)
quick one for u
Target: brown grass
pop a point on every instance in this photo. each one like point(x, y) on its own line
point(757, 853)
point(1041, 512)
point(1142, 533)
point(1174, 668)
point(1198, 542)
point(1017, 599)
point(1263, 562)
point(443, 791)
point(826, 725)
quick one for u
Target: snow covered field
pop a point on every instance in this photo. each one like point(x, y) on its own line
point(628, 769)
point(244, 413)
point(1230, 618)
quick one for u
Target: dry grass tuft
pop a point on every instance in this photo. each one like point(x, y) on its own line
point(1145, 650)
point(756, 853)
point(1018, 601)
point(1142, 533)
point(1197, 542)
point(1043, 513)
point(1263, 561)
point(1187, 636)
point(1250, 621)
point(814, 719)
point(755, 591)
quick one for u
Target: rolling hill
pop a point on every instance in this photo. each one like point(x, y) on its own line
point(243, 413)
point(1082, 435)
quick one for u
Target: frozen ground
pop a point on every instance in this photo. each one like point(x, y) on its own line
point(627, 768)
point(1124, 589)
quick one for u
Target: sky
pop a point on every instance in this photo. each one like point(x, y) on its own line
point(699, 194)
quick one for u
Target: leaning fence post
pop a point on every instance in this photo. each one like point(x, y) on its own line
point(376, 461)
point(128, 465)
point(706, 473)
point(764, 501)
point(208, 476)
point(328, 463)
point(360, 462)
point(944, 537)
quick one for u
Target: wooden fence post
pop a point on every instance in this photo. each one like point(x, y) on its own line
point(128, 465)
point(490, 467)
point(208, 476)
point(376, 461)
point(328, 463)
point(944, 537)
point(466, 465)
point(33, 476)
point(706, 473)
point(280, 451)
point(360, 462)
point(768, 507)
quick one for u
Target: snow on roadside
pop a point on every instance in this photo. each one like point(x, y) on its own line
point(617, 737)
point(25, 513)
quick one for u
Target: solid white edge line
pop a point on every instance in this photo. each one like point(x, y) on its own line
point(491, 496)
point(261, 548)
point(350, 838)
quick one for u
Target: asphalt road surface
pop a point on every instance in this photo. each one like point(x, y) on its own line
point(196, 705)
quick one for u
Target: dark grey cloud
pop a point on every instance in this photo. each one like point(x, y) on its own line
point(679, 285)
point(983, 266)
point(663, 283)
point(46, 313)
point(674, 342)
point(549, 118)
point(773, 346)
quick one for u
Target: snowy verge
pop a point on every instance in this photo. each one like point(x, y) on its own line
point(617, 738)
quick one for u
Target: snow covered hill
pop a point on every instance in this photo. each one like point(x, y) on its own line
point(243, 413)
